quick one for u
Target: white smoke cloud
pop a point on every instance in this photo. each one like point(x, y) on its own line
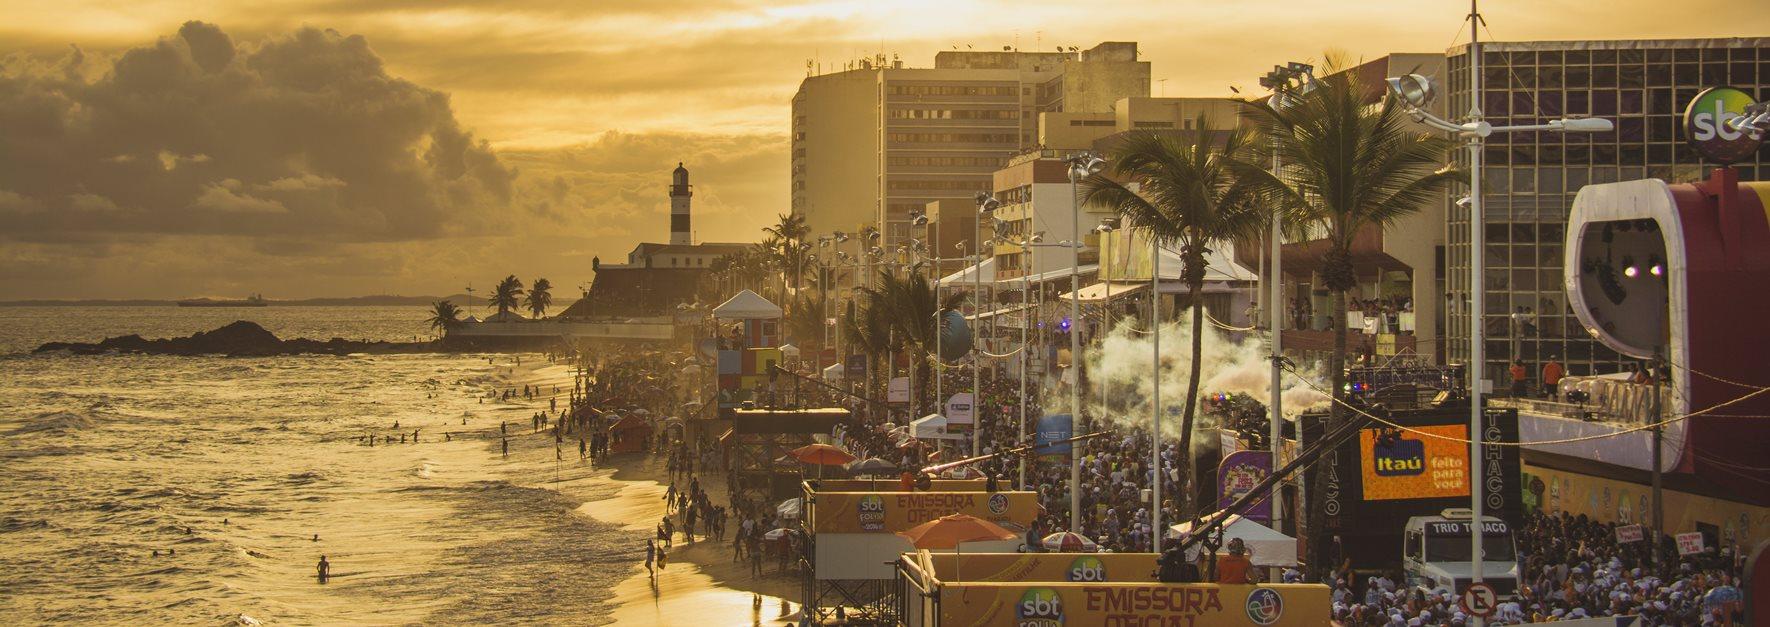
point(1124, 361)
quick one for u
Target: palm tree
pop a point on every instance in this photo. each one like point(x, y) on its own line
point(867, 328)
point(1350, 165)
point(539, 297)
point(444, 316)
point(507, 295)
point(786, 244)
point(1190, 195)
point(805, 322)
point(910, 305)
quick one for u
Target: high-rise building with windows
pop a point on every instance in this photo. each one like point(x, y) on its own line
point(1531, 177)
point(878, 140)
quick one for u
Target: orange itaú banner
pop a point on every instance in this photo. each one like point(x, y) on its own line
point(891, 512)
point(1014, 567)
point(1396, 464)
point(1132, 605)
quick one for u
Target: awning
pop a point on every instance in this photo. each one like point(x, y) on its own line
point(1104, 291)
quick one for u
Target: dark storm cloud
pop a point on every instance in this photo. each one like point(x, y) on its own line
point(299, 137)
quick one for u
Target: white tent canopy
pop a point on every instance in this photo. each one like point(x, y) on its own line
point(1220, 265)
point(747, 305)
point(932, 427)
point(1266, 547)
point(968, 276)
point(833, 372)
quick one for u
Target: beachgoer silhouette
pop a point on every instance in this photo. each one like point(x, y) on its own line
point(651, 553)
point(324, 569)
point(316, 537)
point(506, 447)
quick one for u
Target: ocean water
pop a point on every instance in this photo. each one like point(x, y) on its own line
point(237, 464)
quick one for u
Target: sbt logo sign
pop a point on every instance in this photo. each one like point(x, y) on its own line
point(1086, 568)
point(1706, 125)
point(1039, 607)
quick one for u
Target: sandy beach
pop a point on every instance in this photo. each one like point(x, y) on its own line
point(701, 584)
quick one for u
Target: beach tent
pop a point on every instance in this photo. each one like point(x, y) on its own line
point(1267, 547)
point(630, 435)
point(747, 305)
point(789, 351)
point(932, 427)
point(833, 373)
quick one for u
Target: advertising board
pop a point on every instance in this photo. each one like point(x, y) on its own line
point(1070, 567)
point(1109, 605)
point(1398, 464)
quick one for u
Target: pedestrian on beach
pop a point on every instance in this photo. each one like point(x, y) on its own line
point(324, 569)
point(651, 552)
point(506, 442)
point(669, 532)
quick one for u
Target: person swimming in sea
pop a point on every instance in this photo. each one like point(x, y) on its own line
point(316, 537)
point(324, 569)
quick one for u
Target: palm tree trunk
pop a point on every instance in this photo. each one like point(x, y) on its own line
point(1318, 550)
point(1189, 491)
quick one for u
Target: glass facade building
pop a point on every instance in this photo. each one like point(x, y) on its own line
point(1530, 178)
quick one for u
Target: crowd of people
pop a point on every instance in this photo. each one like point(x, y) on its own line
point(1572, 567)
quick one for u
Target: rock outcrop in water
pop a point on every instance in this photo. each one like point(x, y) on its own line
point(237, 339)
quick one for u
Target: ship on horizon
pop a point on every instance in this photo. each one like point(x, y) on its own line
point(255, 300)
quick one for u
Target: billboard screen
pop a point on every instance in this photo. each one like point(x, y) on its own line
point(1396, 464)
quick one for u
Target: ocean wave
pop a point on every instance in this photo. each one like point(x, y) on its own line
point(305, 478)
point(56, 422)
point(10, 524)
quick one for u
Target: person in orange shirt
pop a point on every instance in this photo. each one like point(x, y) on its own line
point(1520, 378)
point(1552, 373)
point(1234, 567)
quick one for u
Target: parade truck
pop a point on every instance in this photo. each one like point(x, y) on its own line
point(1395, 496)
point(1435, 552)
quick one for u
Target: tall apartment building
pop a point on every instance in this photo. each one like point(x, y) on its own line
point(874, 143)
point(1531, 177)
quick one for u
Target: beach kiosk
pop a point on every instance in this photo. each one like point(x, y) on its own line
point(853, 526)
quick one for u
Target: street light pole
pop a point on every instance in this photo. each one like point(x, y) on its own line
point(1415, 91)
point(1081, 166)
point(1286, 82)
point(986, 204)
point(1025, 328)
point(1155, 412)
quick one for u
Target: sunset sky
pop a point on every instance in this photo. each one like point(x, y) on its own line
point(341, 147)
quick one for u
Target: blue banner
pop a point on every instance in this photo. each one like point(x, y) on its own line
point(1054, 428)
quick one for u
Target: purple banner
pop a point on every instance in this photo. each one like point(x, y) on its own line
point(1237, 476)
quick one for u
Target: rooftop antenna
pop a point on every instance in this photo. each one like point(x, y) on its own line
point(1164, 82)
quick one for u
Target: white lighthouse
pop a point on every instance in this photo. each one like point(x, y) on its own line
point(679, 196)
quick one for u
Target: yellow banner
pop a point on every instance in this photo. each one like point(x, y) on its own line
point(1126, 605)
point(1402, 465)
point(890, 512)
point(1076, 567)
